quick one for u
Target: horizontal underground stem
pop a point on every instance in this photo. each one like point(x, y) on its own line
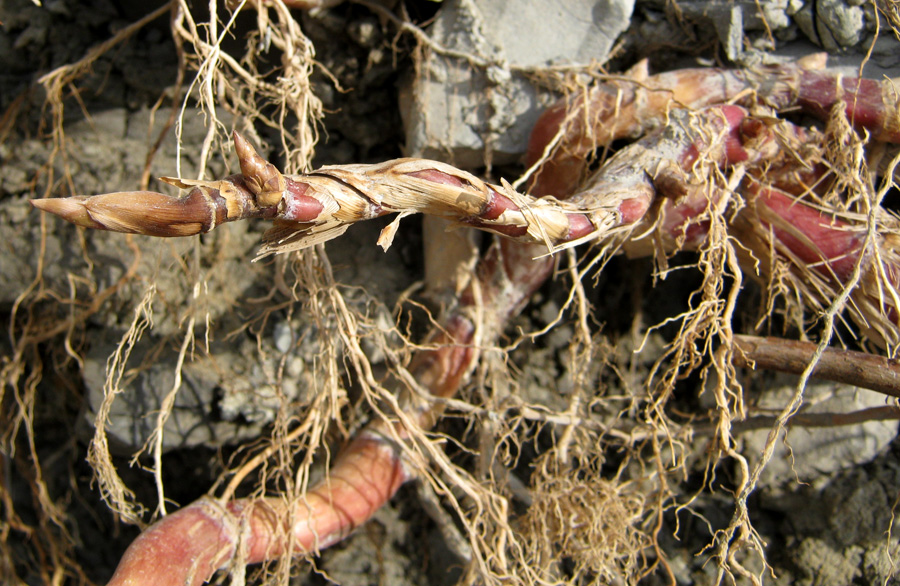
point(186, 547)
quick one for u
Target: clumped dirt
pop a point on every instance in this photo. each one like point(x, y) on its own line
point(72, 300)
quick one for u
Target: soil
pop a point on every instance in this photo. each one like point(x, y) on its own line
point(824, 508)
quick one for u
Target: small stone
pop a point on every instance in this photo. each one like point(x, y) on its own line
point(833, 25)
point(294, 367)
point(283, 335)
point(549, 312)
point(364, 32)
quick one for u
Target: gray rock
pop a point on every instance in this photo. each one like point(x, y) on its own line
point(809, 452)
point(826, 566)
point(879, 565)
point(832, 24)
point(227, 396)
point(139, 398)
point(466, 112)
point(757, 15)
point(746, 29)
point(842, 525)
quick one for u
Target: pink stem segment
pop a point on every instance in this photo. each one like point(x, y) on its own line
point(823, 242)
point(188, 546)
point(630, 106)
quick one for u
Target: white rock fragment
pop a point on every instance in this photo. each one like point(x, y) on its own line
point(463, 112)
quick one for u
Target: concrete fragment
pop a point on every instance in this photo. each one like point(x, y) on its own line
point(729, 23)
point(464, 111)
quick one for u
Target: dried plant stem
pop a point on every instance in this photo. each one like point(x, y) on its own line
point(860, 369)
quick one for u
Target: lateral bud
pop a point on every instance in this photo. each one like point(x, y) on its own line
point(261, 177)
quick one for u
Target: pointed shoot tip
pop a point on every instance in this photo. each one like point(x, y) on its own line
point(71, 209)
point(133, 212)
